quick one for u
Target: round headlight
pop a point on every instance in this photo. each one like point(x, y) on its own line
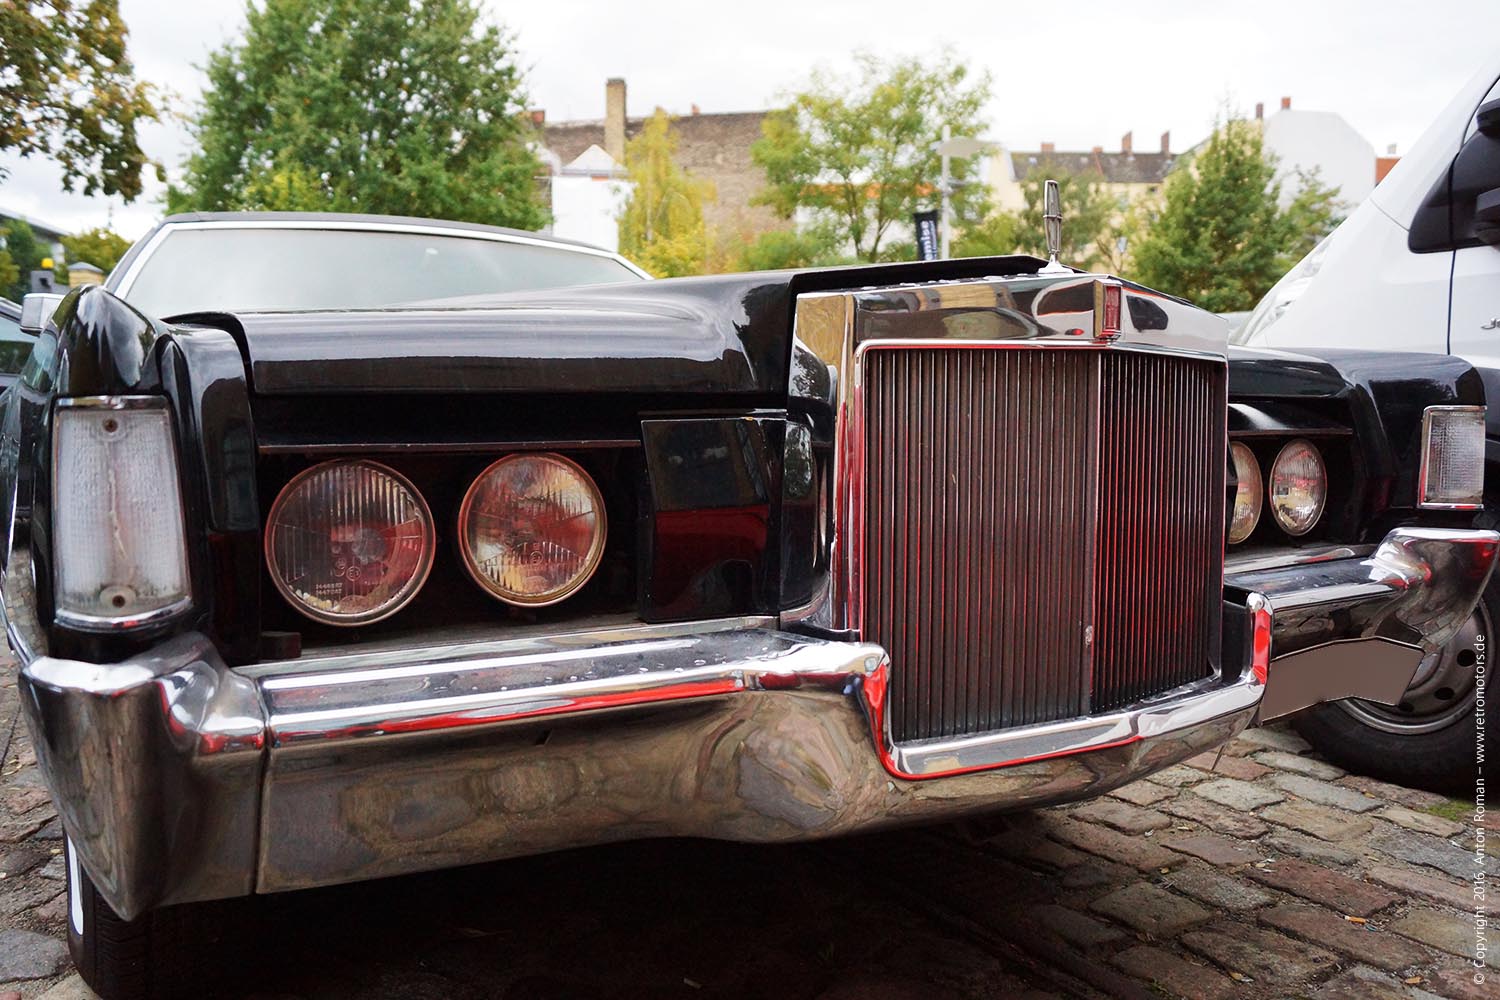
point(532, 529)
point(1299, 487)
point(349, 542)
point(1247, 496)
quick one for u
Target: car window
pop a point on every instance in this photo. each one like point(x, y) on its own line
point(205, 270)
point(15, 346)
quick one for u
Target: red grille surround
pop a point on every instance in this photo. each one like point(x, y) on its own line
point(1042, 528)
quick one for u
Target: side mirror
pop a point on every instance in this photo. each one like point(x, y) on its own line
point(1488, 119)
point(36, 309)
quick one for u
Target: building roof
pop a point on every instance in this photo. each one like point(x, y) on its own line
point(697, 135)
point(1113, 168)
point(43, 229)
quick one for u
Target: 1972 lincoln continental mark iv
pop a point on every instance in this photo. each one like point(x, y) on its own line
point(305, 595)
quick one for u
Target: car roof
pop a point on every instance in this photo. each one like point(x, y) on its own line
point(10, 309)
point(354, 217)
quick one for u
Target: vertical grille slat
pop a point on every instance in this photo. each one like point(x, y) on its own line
point(1016, 498)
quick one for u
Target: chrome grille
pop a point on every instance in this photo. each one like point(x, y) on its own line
point(1017, 501)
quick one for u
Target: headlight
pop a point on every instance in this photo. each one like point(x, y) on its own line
point(532, 529)
point(118, 540)
point(1452, 458)
point(1299, 487)
point(349, 542)
point(1247, 497)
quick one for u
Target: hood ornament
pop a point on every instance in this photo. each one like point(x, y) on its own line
point(1052, 225)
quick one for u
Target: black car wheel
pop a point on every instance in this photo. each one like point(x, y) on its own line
point(156, 956)
point(1427, 741)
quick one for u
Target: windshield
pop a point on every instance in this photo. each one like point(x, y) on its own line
point(268, 270)
point(15, 346)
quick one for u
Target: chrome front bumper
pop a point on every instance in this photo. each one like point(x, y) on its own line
point(181, 779)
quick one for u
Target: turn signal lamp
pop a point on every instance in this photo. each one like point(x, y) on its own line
point(118, 538)
point(1452, 476)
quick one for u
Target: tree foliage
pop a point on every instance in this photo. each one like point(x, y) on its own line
point(777, 249)
point(68, 92)
point(1220, 238)
point(99, 247)
point(25, 253)
point(662, 227)
point(407, 107)
point(859, 155)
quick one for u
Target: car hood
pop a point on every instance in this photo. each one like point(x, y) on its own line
point(726, 335)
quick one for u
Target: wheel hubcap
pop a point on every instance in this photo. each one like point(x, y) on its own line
point(1441, 691)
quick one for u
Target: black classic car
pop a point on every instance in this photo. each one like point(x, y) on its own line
point(337, 575)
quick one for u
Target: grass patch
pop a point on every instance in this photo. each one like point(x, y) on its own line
point(1454, 809)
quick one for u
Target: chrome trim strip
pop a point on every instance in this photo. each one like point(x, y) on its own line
point(111, 403)
point(1422, 500)
point(1279, 558)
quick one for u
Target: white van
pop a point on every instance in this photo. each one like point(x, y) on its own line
point(1416, 267)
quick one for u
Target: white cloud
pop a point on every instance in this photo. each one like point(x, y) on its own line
point(1080, 73)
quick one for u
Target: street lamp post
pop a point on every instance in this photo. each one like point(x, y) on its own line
point(963, 147)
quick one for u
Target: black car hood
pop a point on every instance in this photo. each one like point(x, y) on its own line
point(718, 337)
point(721, 335)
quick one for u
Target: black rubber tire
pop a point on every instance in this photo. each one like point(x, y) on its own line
point(157, 956)
point(1440, 761)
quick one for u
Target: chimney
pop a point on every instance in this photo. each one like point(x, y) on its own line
point(1125, 141)
point(1048, 148)
point(538, 117)
point(1098, 149)
point(1166, 142)
point(614, 118)
point(1286, 104)
point(1260, 110)
point(1390, 150)
point(696, 111)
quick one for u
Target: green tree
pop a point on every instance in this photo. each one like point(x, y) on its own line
point(26, 254)
point(662, 227)
point(859, 155)
point(9, 272)
point(68, 92)
point(408, 107)
point(1220, 238)
point(99, 247)
point(1091, 216)
point(995, 236)
point(777, 249)
point(1314, 212)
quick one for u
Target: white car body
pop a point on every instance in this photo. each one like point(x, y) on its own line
point(1363, 287)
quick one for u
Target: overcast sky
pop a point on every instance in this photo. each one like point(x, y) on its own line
point(1079, 73)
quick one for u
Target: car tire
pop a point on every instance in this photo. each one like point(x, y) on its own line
point(157, 956)
point(1435, 749)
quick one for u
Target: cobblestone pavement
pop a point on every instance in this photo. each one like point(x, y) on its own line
point(1264, 873)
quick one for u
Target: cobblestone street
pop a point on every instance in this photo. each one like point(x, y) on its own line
point(1266, 873)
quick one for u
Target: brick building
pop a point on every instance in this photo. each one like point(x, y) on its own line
point(714, 147)
point(1126, 173)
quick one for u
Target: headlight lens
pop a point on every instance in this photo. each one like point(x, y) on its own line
point(532, 529)
point(1247, 497)
point(349, 542)
point(1299, 487)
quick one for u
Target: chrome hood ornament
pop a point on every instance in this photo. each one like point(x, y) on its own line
point(1052, 224)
